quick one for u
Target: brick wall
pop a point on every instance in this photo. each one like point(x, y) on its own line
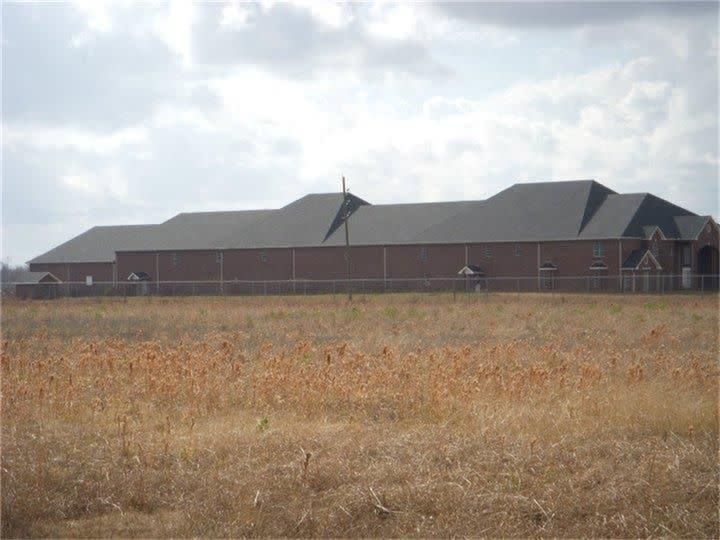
point(189, 266)
point(503, 259)
point(329, 263)
point(511, 260)
point(77, 271)
point(257, 264)
point(141, 261)
point(410, 261)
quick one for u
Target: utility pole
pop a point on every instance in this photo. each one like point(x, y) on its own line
point(346, 215)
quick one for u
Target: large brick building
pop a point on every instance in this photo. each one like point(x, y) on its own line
point(534, 235)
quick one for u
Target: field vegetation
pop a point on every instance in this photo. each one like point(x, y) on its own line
point(408, 415)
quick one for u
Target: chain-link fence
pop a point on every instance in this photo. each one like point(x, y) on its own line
point(629, 283)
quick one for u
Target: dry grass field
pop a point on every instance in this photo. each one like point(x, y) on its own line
point(405, 415)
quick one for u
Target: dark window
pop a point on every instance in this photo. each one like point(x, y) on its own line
point(423, 254)
point(595, 281)
point(263, 257)
point(598, 249)
point(518, 250)
point(176, 259)
point(219, 257)
point(547, 281)
point(488, 252)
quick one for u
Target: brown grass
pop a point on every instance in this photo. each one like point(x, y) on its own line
point(393, 416)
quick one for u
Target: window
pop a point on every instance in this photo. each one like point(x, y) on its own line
point(88, 281)
point(547, 281)
point(176, 259)
point(598, 249)
point(423, 254)
point(487, 252)
point(263, 257)
point(518, 250)
point(219, 257)
point(595, 281)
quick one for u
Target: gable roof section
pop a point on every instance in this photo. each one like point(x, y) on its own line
point(650, 230)
point(388, 224)
point(655, 211)
point(636, 215)
point(471, 270)
point(95, 245)
point(524, 212)
point(36, 277)
point(637, 257)
point(613, 216)
point(304, 222)
point(689, 227)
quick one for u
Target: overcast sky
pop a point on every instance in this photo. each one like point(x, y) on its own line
point(116, 113)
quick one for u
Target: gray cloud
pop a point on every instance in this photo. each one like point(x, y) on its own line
point(289, 40)
point(112, 82)
point(572, 14)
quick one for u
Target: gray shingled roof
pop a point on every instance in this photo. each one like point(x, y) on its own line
point(523, 212)
point(184, 235)
point(389, 224)
point(582, 209)
point(655, 211)
point(613, 216)
point(304, 222)
point(223, 218)
point(635, 258)
point(98, 244)
point(689, 227)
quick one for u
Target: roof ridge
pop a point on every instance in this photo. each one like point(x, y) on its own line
point(125, 225)
point(577, 180)
point(459, 201)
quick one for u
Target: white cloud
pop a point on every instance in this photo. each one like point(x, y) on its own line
point(107, 183)
point(332, 14)
point(607, 123)
point(174, 26)
point(63, 138)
